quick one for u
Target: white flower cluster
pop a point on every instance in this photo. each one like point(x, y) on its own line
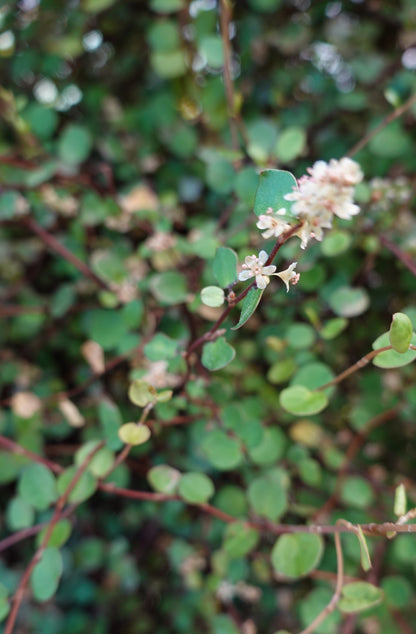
point(254, 266)
point(327, 190)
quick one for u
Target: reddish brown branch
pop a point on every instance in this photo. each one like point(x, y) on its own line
point(405, 258)
point(53, 244)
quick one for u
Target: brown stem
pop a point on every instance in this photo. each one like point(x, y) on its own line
point(53, 244)
point(225, 19)
point(392, 116)
point(356, 366)
point(338, 589)
point(7, 542)
point(18, 595)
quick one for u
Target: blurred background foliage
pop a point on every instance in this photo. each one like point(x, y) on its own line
point(116, 145)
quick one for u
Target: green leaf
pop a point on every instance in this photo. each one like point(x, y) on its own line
point(37, 486)
point(211, 48)
point(333, 327)
point(273, 186)
point(100, 463)
point(400, 333)
point(357, 492)
point(349, 302)
point(220, 176)
point(249, 305)
point(300, 336)
point(358, 596)
point(391, 358)
point(290, 144)
point(221, 451)
point(169, 65)
point(212, 296)
point(106, 327)
point(163, 479)
point(161, 348)
point(141, 393)
point(60, 534)
point(167, 6)
point(224, 266)
point(169, 288)
point(45, 577)
point(300, 401)
point(8, 205)
point(217, 354)
point(110, 421)
point(267, 494)
point(195, 488)
point(400, 500)
point(313, 375)
point(271, 447)
point(19, 514)
point(239, 539)
point(365, 555)
point(74, 144)
point(296, 555)
point(398, 591)
point(84, 488)
point(134, 434)
point(336, 243)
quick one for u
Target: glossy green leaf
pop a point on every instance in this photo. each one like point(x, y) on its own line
point(195, 488)
point(45, 577)
point(211, 48)
point(217, 354)
point(335, 243)
point(295, 555)
point(333, 327)
point(300, 401)
point(358, 596)
point(212, 296)
point(400, 333)
point(391, 358)
point(249, 305)
point(224, 266)
point(364, 553)
point(357, 492)
point(273, 186)
point(163, 479)
point(239, 539)
point(104, 326)
point(37, 486)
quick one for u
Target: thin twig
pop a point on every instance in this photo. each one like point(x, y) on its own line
point(405, 258)
point(7, 542)
point(54, 244)
point(338, 589)
point(392, 116)
point(361, 363)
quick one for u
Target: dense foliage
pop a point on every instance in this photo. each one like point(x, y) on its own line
point(169, 462)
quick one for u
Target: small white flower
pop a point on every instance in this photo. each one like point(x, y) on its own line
point(254, 267)
point(272, 223)
point(289, 275)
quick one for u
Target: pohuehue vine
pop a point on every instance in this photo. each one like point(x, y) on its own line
point(188, 443)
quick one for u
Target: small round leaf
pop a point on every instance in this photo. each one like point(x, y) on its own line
point(212, 296)
point(400, 333)
point(300, 401)
point(195, 488)
point(134, 434)
point(296, 555)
